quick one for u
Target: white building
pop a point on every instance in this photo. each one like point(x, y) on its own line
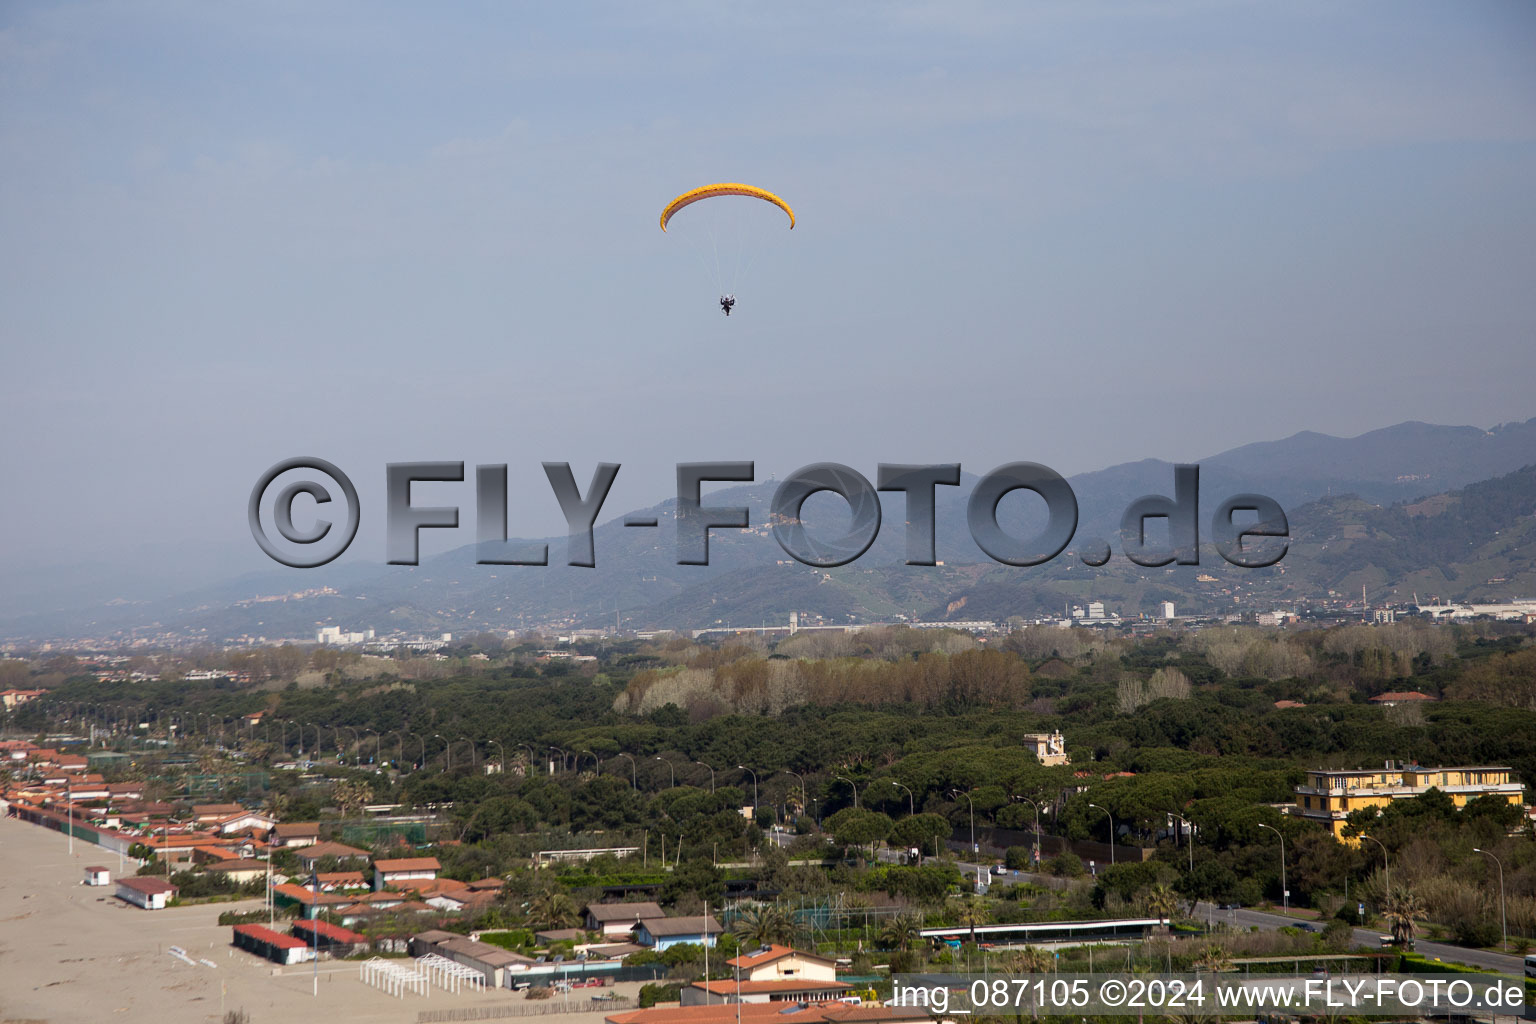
point(771, 974)
point(335, 635)
point(149, 893)
point(404, 871)
point(98, 876)
point(1168, 610)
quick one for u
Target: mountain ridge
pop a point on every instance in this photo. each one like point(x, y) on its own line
point(637, 575)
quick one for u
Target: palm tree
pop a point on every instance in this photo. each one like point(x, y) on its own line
point(1214, 958)
point(1163, 902)
point(764, 925)
point(901, 932)
point(553, 909)
point(1400, 908)
point(972, 913)
point(351, 795)
point(1029, 960)
point(278, 804)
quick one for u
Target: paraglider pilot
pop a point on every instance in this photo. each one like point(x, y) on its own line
point(726, 302)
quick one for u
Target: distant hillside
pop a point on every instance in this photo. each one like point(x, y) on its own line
point(1356, 505)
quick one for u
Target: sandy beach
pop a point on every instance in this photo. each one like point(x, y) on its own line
point(73, 953)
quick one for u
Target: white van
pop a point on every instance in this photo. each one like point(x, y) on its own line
point(1530, 967)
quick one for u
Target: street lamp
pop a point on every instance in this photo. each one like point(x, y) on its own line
point(597, 762)
point(1385, 864)
point(850, 782)
point(671, 769)
point(633, 775)
point(911, 806)
point(1185, 822)
point(447, 752)
point(711, 774)
point(754, 787)
point(805, 803)
point(502, 751)
point(1037, 826)
point(974, 848)
point(1111, 832)
point(1285, 893)
point(1503, 920)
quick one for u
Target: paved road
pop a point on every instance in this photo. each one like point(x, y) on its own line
point(1511, 965)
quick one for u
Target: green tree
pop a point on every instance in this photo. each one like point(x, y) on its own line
point(765, 924)
point(553, 909)
point(921, 831)
point(1401, 907)
point(901, 932)
point(854, 826)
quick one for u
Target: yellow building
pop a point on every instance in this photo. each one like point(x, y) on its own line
point(1049, 747)
point(1330, 795)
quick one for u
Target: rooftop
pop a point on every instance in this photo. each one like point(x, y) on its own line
point(606, 913)
point(407, 864)
point(667, 927)
point(768, 954)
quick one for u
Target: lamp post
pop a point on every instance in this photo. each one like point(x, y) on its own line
point(1385, 864)
point(911, 804)
point(974, 848)
point(378, 741)
point(805, 804)
point(597, 762)
point(447, 752)
point(711, 774)
point(563, 756)
point(633, 774)
point(1185, 822)
point(1037, 826)
point(1285, 892)
point(502, 751)
point(671, 769)
point(1111, 832)
point(1503, 920)
point(754, 786)
point(854, 786)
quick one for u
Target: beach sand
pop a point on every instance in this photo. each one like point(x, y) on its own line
point(77, 954)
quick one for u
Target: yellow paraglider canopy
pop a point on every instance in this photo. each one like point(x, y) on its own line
point(724, 189)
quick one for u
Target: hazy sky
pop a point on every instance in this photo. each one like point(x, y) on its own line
point(1074, 233)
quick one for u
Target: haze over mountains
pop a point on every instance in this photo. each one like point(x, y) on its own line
point(1344, 498)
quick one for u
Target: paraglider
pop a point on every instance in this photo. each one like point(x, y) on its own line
point(724, 280)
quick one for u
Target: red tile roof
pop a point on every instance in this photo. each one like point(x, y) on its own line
point(726, 986)
point(329, 931)
point(262, 933)
point(764, 1013)
point(772, 953)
